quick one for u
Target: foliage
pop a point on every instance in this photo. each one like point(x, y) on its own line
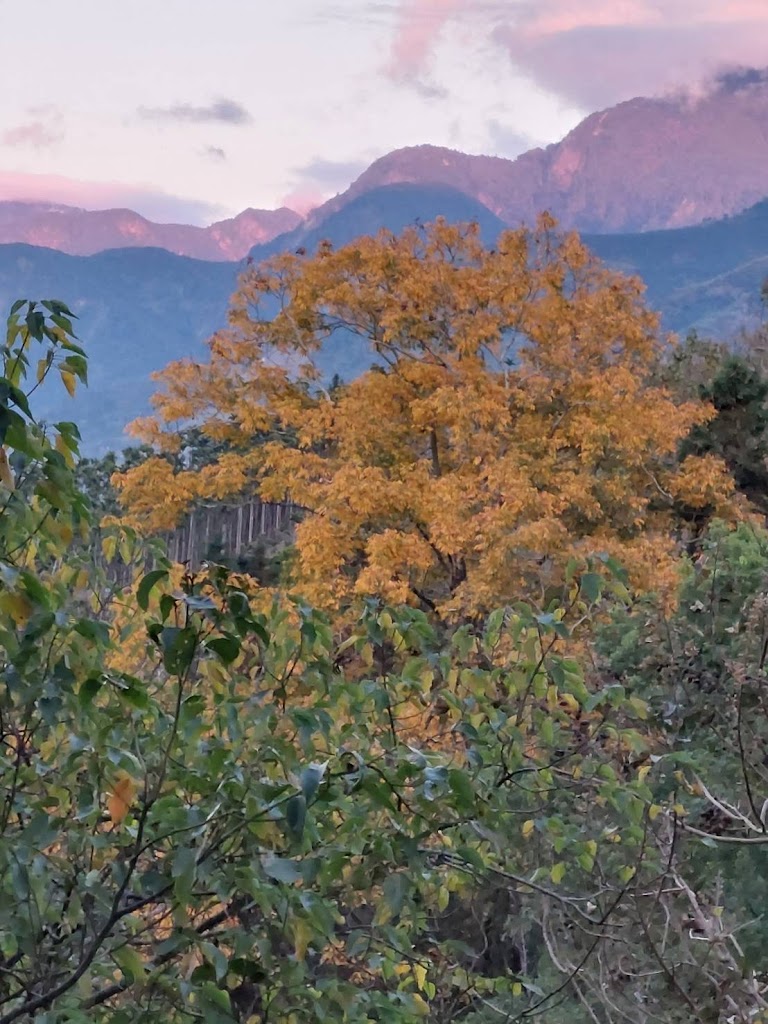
point(739, 432)
point(94, 475)
point(216, 806)
point(702, 670)
point(275, 825)
point(510, 423)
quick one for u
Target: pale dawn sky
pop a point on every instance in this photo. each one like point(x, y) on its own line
point(195, 109)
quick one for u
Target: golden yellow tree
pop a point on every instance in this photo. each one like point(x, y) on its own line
point(509, 422)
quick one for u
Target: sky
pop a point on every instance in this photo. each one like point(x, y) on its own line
point(192, 110)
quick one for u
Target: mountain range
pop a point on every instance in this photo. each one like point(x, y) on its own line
point(85, 232)
point(671, 189)
point(643, 165)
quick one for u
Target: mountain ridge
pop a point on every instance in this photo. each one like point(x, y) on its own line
point(80, 232)
point(644, 164)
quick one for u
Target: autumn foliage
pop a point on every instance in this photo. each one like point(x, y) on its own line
point(220, 803)
point(507, 424)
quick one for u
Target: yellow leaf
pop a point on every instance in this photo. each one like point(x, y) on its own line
point(6, 473)
point(421, 1006)
point(420, 974)
point(570, 702)
point(18, 606)
point(109, 547)
point(120, 799)
point(643, 772)
point(69, 382)
point(557, 873)
point(528, 828)
point(653, 811)
point(302, 933)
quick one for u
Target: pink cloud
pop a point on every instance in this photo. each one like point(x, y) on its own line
point(35, 134)
point(103, 195)
point(304, 199)
point(596, 52)
point(43, 129)
point(420, 23)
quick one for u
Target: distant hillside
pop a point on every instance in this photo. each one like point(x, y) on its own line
point(84, 232)
point(141, 308)
point(708, 277)
point(138, 309)
point(393, 207)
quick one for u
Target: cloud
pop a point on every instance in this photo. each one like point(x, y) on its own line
point(600, 53)
point(34, 134)
point(334, 174)
point(98, 195)
point(221, 111)
point(420, 24)
point(215, 153)
point(593, 52)
point(505, 141)
point(303, 199)
point(43, 130)
point(318, 180)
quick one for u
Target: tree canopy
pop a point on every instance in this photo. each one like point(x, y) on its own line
point(509, 422)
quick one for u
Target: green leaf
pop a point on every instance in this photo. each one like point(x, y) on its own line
point(41, 832)
point(586, 861)
point(462, 788)
point(590, 586)
point(88, 690)
point(281, 870)
point(199, 603)
point(215, 956)
point(35, 590)
point(216, 1003)
point(179, 646)
point(35, 321)
point(19, 399)
point(167, 604)
point(296, 815)
point(471, 856)
point(145, 587)
point(225, 647)
point(395, 888)
point(557, 874)
point(183, 870)
point(311, 778)
point(130, 963)
point(93, 630)
point(57, 307)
